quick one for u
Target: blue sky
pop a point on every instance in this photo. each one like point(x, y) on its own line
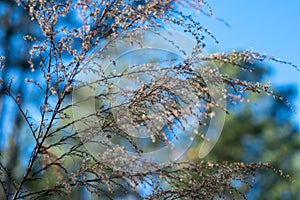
point(270, 27)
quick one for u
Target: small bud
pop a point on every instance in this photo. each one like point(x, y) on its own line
point(53, 91)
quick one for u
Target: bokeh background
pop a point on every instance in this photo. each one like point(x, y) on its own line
point(266, 130)
point(268, 27)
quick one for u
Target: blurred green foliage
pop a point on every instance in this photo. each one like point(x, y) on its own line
point(261, 131)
